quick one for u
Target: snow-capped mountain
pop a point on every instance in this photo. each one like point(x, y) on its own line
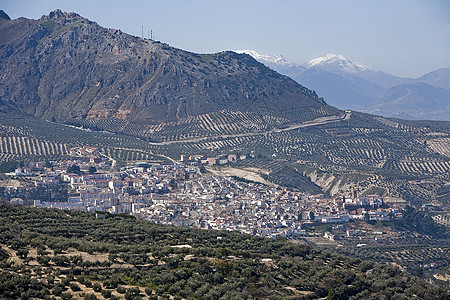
point(352, 85)
point(354, 71)
point(337, 63)
point(276, 62)
point(277, 59)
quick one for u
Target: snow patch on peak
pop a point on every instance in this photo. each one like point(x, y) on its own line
point(329, 58)
point(333, 62)
point(274, 59)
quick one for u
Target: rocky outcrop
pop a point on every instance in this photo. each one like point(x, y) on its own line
point(64, 66)
point(3, 15)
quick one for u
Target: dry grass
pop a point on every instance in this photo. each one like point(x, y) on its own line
point(248, 173)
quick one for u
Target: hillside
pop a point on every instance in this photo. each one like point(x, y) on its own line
point(65, 67)
point(71, 254)
point(339, 154)
point(69, 82)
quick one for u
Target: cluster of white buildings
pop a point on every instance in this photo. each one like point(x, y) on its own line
point(216, 202)
point(177, 193)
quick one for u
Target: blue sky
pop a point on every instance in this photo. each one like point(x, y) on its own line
point(403, 37)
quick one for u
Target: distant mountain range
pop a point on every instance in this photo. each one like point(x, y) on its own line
point(352, 85)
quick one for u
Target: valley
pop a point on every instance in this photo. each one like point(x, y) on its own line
point(301, 199)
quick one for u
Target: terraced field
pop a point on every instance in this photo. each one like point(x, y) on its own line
point(425, 256)
point(224, 122)
point(24, 146)
point(304, 149)
point(367, 153)
point(16, 144)
point(129, 154)
point(26, 138)
point(440, 145)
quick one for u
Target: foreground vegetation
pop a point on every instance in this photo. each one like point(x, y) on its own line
point(51, 253)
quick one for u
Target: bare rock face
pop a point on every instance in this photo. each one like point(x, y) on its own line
point(3, 15)
point(64, 66)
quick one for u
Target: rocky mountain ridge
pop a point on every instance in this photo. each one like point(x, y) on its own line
point(64, 66)
point(3, 15)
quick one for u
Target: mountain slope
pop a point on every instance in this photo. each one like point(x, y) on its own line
point(339, 91)
point(337, 64)
point(439, 78)
point(354, 71)
point(3, 15)
point(65, 66)
point(419, 99)
point(352, 85)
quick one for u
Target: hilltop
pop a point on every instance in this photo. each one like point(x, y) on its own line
point(66, 67)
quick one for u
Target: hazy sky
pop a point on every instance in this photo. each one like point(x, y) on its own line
point(402, 37)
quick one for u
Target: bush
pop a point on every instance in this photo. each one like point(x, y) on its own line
point(66, 296)
point(121, 290)
point(106, 293)
point(61, 261)
point(43, 260)
point(74, 287)
point(57, 290)
point(50, 279)
point(41, 252)
point(90, 297)
point(22, 253)
point(132, 293)
point(97, 287)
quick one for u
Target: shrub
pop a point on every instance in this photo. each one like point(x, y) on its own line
point(97, 287)
point(66, 296)
point(74, 287)
point(106, 293)
point(121, 290)
point(57, 290)
point(90, 297)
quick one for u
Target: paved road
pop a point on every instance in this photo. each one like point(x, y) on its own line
point(113, 161)
point(316, 122)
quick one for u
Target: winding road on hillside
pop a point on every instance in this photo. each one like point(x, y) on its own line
point(316, 122)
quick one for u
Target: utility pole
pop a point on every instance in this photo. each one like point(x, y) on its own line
point(142, 31)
